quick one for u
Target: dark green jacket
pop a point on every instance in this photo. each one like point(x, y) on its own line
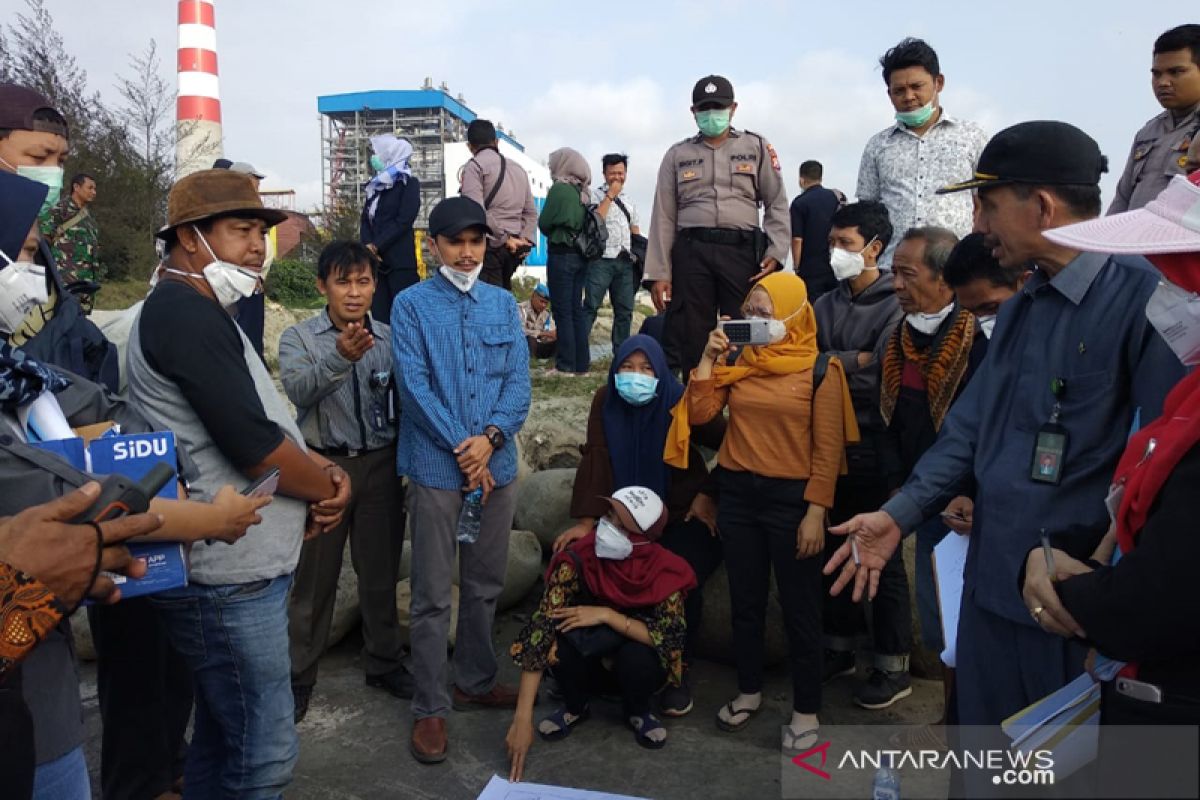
point(562, 215)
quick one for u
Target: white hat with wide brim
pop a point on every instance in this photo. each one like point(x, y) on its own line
point(1170, 223)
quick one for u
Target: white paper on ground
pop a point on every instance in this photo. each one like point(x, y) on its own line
point(949, 558)
point(500, 789)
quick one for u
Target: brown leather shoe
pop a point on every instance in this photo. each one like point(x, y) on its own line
point(499, 696)
point(428, 743)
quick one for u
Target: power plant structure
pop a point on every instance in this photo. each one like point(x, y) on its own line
point(198, 104)
point(433, 121)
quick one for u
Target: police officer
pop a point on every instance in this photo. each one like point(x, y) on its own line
point(706, 247)
point(1160, 148)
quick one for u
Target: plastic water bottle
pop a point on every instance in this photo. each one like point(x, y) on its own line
point(886, 785)
point(470, 516)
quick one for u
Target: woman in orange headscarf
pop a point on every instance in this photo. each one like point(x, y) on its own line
point(790, 418)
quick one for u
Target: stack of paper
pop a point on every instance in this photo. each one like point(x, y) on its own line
point(1066, 723)
point(949, 559)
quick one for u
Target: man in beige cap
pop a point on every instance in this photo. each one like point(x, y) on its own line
point(192, 371)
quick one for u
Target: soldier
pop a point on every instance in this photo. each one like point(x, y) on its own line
point(75, 240)
point(706, 247)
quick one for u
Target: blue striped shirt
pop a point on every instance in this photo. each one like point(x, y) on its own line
point(461, 364)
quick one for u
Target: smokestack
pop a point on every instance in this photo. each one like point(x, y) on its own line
point(198, 106)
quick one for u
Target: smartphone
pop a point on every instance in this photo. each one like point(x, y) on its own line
point(1146, 692)
point(265, 485)
point(747, 331)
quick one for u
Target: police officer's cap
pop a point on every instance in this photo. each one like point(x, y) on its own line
point(1043, 152)
point(712, 90)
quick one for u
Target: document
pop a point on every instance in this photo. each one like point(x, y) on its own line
point(1067, 723)
point(949, 559)
point(500, 789)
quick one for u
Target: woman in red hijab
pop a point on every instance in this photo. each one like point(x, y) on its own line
point(611, 617)
point(1140, 605)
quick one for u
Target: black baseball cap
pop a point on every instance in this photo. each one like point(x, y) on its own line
point(19, 105)
point(1041, 152)
point(713, 90)
point(454, 215)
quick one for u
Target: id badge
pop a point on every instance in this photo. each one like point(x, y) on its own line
point(1048, 453)
point(1175, 314)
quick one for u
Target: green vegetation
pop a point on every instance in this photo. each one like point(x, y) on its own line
point(567, 386)
point(293, 283)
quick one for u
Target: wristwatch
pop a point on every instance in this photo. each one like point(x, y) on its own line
point(494, 436)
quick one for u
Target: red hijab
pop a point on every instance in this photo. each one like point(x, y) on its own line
point(1145, 467)
point(651, 574)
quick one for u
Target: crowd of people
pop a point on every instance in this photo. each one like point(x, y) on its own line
point(966, 349)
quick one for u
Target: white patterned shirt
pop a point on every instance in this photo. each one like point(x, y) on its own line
point(903, 171)
point(617, 223)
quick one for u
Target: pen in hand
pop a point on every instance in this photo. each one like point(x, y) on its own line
point(1048, 552)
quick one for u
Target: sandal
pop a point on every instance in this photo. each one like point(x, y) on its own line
point(791, 739)
point(559, 719)
point(734, 727)
point(643, 726)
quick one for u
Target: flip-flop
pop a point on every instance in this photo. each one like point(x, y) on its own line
point(790, 738)
point(642, 727)
point(559, 718)
point(734, 727)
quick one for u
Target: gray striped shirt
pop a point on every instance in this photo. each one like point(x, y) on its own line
point(337, 402)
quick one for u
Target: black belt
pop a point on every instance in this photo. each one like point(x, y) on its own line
point(718, 235)
point(343, 452)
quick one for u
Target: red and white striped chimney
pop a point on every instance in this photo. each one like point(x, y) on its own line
point(198, 107)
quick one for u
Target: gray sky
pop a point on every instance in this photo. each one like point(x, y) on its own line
point(617, 76)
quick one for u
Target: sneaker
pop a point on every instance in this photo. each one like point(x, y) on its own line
point(883, 688)
point(397, 683)
point(676, 701)
point(836, 664)
point(300, 697)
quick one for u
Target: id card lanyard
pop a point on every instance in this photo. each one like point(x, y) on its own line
point(1050, 447)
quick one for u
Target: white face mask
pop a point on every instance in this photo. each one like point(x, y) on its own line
point(611, 542)
point(847, 265)
point(1175, 314)
point(229, 282)
point(777, 328)
point(928, 324)
point(987, 324)
point(22, 288)
point(463, 281)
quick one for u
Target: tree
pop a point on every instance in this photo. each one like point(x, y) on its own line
point(148, 102)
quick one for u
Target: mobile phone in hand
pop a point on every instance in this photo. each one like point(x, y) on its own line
point(747, 331)
point(265, 485)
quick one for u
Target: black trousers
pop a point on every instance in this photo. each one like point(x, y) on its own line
point(636, 674)
point(759, 519)
point(17, 761)
point(145, 691)
point(707, 280)
point(692, 542)
point(499, 265)
point(891, 610)
point(390, 282)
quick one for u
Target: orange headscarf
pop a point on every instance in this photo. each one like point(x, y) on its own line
point(796, 352)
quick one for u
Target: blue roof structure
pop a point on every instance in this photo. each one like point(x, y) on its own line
point(388, 99)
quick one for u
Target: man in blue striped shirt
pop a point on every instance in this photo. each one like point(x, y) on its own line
point(462, 367)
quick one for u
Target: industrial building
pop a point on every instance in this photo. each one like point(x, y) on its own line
point(432, 121)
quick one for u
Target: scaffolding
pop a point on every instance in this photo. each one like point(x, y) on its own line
point(428, 118)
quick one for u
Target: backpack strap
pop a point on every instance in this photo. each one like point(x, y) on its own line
point(487, 201)
point(624, 210)
point(819, 369)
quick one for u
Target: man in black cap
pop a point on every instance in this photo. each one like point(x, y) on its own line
point(33, 143)
point(706, 248)
point(1071, 360)
point(462, 366)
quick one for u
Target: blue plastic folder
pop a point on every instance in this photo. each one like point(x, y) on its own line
point(1067, 723)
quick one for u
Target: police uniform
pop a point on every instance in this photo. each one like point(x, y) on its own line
point(1159, 152)
point(704, 232)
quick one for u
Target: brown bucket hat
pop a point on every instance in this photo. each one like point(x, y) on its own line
point(215, 192)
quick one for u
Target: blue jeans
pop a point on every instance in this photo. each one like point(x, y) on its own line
point(64, 778)
point(567, 275)
point(235, 639)
point(929, 534)
point(614, 277)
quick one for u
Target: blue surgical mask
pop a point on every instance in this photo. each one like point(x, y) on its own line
point(635, 388)
point(713, 121)
point(376, 163)
point(915, 119)
point(51, 177)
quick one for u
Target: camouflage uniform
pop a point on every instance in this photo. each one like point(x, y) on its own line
point(75, 242)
